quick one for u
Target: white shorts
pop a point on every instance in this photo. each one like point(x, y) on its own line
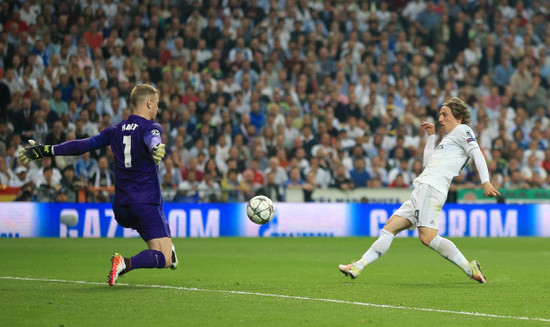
point(423, 209)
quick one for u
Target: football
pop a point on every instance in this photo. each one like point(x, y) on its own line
point(260, 209)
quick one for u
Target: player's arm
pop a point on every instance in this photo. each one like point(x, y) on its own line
point(430, 143)
point(69, 148)
point(470, 145)
point(154, 142)
point(488, 189)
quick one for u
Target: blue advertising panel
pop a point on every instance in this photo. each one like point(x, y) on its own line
point(291, 220)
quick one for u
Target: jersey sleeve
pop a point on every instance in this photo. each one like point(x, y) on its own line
point(78, 147)
point(481, 165)
point(466, 139)
point(153, 135)
point(428, 150)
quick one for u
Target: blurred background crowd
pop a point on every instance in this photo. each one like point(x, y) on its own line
point(261, 96)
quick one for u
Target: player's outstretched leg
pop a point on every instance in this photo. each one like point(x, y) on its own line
point(377, 249)
point(393, 226)
point(449, 251)
point(144, 259)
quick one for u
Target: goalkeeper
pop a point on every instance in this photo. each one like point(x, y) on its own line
point(137, 147)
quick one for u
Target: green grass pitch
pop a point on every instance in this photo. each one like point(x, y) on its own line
point(274, 282)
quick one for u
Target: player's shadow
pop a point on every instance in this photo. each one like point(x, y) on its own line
point(116, 288)
point(457, 284)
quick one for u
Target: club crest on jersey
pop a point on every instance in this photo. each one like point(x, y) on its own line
point(471, 139)
point(155, 132)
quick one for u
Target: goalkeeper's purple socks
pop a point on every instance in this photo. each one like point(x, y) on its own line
point(146, 259)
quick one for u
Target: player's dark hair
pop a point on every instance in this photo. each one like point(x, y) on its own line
point(459, 109)
point(141, 92)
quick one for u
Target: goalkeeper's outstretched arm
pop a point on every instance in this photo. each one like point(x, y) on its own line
point(70, 148)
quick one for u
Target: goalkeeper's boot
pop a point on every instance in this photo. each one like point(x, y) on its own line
point(476, 272)
point(349, 270)
point(118, 267)
point(174, 258)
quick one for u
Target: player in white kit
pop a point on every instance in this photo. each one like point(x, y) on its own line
point(423, 209)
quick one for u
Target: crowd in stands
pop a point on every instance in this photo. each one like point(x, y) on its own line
point(261, 96)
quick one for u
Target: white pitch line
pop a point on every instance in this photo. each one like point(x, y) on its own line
point(294, 297)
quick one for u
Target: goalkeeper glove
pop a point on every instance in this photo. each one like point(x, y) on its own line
point(158, 152)
point(34, 152)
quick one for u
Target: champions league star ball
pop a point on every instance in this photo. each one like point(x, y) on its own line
point(260, 209)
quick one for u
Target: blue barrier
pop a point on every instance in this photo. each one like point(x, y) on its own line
point(291, 220)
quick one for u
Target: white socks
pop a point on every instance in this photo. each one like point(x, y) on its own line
point(376, 250)
point(450, 252)
point(442, 245)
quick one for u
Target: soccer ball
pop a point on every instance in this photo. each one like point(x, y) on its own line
point(260, 209)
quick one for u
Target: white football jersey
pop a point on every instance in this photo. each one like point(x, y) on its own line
point(449, 158)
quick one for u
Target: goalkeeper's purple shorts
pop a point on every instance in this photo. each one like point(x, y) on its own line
point(147, 219)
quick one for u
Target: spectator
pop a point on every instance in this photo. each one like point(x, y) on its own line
point(88, 127)
point(48, 187)
point(85, 166)
point(192, 166)
point(521, 80)
point(57, 135)
point(340, 180)
point(401, 169)
point(102, 180)
point(14, 82)
point(427, 21)
point(209, 189)
point(503, 72)
point(248, 186)
point(231, 187)
point(22, 120)
point(280, 174)
point(295, 180)
point(173, 172)
point(19, 178)
point(398, 182)
point(546, 161)
point(532, 168)
point(93, 36)
point(271, 189)
point(40, 129)
point(322, 177)
point(240, 48)
point(515, 181)
point(5, 173)
point(169, 190)
point(71, 184)
point(36, 173)
point(57, 104)
point(359, 175)
point(378, 171)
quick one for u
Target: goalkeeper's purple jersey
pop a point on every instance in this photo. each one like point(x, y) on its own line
point(136, 174)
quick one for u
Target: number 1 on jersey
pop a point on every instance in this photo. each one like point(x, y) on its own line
point(127, 140)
